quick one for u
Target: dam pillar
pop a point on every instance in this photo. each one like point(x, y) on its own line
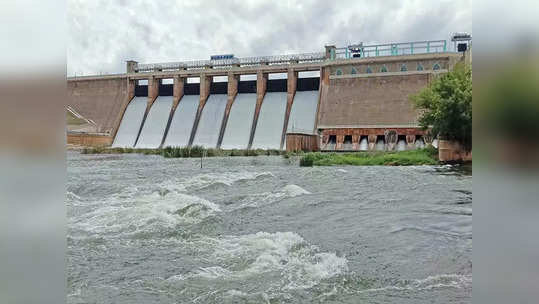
point(153, 92)
point(205, 84)
point(232, 91)
point(391, 138)
point(355, 142)
point(372, 141)
point(291, 85)
point(340, 142)
point(261, 85)
point(130, 87)
point(410, 142)
point(178, 86)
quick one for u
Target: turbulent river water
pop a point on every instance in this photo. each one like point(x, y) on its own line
point(145, 229)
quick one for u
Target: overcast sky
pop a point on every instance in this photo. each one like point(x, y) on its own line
point(103, 34)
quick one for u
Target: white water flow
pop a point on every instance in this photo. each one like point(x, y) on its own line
point(419, 144)
point(364, 144)
point(270, 121)
point(209, 125)
point(303, 112)
point(401, 145)
point(182, 122)
point(130, 125)
point(240, 120)
point(435, 143)
point(155, 124)
point(380, 145)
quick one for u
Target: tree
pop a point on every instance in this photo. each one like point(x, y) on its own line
point(446, 105)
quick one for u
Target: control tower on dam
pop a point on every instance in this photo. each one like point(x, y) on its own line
point(344, 98)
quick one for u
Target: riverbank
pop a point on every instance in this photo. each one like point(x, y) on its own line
point(183, 152)
point(427, 156)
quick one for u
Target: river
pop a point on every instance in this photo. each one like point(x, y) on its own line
point(145, 229)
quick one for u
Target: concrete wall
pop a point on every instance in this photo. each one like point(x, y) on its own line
point(301, 142)
point(100, 100)
point(371, 101)
point(89, 139)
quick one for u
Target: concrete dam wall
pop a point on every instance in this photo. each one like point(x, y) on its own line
point(144, 122)
point(355, 104)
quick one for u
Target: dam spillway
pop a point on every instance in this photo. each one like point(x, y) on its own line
point(182, 122)
point(130, 124)
point(155, 124)
point(209, 126)
point(303, 114)
point(239, 124)
point(270, 122)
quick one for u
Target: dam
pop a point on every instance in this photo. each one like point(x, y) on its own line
point(352, 98)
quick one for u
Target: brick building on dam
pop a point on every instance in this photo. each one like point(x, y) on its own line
point(341, 99)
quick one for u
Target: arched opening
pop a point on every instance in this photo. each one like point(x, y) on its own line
point(383, 69)
point(380, 143)
point(404, 68)
point(436, 66)
point(419, 66)
point(353, 71)
point(401, 143)
point(369, 70)
point(419, 142)
point(347, 143)
point(338, 72)
point(363, 143)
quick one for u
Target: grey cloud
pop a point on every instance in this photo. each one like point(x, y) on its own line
point(103, 34)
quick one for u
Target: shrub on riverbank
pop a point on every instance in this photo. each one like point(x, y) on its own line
point(183, 152)
point(427, 156)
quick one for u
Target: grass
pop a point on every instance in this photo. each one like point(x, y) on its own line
point(183, 152)
point(73, 120)
point(427, 156)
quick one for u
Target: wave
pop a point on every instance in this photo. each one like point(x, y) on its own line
point(433, 231)
point(267, 198)
point(202, 181)
point(431, 282)
point(155, 212)
point(299, 264)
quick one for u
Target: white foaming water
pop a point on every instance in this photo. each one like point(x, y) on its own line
point(156, 123)
point(270, 122)
point(148, 213)
point(205, 180)
point(430, 282)
point(182, 122)
point(419, 144)
point(239, 123)
point(401, 145)
point(364, 144)
point(209, 126)
point(299, 264)
point(435, 143)
point(267, 198)
point(380, 145)
point(130, 124)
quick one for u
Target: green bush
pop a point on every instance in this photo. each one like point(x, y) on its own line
point(426, 156)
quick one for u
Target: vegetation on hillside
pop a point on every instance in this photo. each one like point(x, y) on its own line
point(446, 105)
point(427, 156)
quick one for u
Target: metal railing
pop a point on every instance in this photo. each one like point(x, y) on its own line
point(351, 51)
point(224, 63)
point(390, 49)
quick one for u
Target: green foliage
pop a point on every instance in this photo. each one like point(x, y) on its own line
point(426, 156)
point(447, 105)
point(182, 152)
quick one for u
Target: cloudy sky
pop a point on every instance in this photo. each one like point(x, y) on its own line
point(103, 34)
